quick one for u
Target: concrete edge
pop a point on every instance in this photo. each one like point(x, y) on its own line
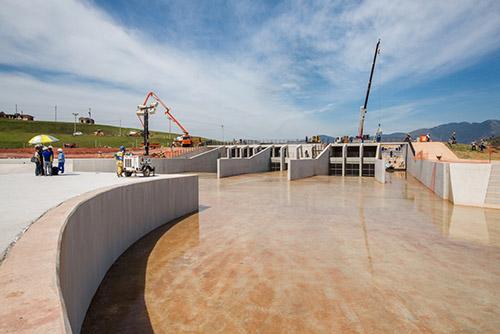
point(204, 153)
point(72, 206)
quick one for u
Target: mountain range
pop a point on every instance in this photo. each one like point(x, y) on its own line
point(465, 132)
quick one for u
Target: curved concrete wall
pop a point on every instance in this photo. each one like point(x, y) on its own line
point(50, 276)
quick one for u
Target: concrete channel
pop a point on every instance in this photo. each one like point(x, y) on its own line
point(313, 236)
point(317, 255)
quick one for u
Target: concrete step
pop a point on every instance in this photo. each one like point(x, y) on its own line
point(492, 201)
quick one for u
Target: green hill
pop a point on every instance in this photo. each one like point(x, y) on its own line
point(16, 133)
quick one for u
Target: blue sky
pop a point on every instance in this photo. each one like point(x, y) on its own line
point(264, 69)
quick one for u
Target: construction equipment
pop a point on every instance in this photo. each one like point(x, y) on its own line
point(145, 110)
point(363, 108)
point(133, 164)
point(316, 139)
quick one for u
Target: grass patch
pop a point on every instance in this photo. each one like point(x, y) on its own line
point(463, 151)
point(16, 133)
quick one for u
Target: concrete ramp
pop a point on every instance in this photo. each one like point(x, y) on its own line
point(431, 150)
point(258, 163)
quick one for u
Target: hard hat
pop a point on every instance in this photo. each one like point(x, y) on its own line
point(44, 148)
point(59, 150)
point(122, 148)
point(50, 146)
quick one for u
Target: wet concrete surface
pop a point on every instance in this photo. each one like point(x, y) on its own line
point(318, 255)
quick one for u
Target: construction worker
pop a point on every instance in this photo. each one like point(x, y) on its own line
point(38, 160)
point(378, 135)
point(61, 159)
point(47, 162)
point(453, 139)
point(119, 161)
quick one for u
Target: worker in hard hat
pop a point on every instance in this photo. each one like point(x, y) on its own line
point(378, 135)
point(61, 159)
point(119, 161)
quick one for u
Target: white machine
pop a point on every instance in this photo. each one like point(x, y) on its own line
point(133, 164)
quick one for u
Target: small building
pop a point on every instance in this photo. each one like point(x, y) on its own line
point(22, 117)
point(86, 120)
point(26, 117)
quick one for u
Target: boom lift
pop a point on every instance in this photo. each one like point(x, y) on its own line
point(145, 110)
point(363, 108)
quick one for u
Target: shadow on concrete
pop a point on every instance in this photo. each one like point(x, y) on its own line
point(202, 207)
point(119, 305)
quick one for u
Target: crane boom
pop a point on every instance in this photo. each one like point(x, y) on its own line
point(167, 110)
point(363, 108)
point(145, 110)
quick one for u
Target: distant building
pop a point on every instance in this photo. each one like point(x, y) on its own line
point(22, 117)
point(86, 120)
point(26, 117)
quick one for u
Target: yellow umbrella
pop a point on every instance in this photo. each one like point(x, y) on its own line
point(42, 139)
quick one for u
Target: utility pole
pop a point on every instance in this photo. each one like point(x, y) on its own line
point(55, 113)
point(75, 114)
point(363, 108)
point(90, 112)
point(16, 108)
point(170, 131)
point(145, 111)
point(146, 132)
point(222, 127)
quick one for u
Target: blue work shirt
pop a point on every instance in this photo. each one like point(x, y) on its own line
point(60, 157)
point(46, 155)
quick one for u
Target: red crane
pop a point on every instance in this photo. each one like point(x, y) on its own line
point(186, 138)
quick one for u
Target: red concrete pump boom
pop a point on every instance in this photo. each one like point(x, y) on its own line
point(167, 110)
point(186, 138)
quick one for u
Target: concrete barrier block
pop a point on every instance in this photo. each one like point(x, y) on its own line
point(260, 162)
point(469, 183)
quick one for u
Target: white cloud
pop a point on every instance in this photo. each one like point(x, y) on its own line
point(75, 38)
point(420, 40)
point(254, 92)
